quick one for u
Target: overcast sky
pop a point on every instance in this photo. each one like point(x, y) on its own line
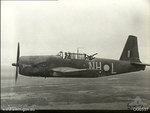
point(46, 27)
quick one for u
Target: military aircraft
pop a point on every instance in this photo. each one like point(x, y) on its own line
point(67, 64)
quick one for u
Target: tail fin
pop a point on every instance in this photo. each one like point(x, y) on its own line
point(130, 51)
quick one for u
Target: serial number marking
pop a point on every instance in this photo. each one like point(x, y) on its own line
point(106, 67)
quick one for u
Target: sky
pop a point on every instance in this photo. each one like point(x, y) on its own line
point(47, 27)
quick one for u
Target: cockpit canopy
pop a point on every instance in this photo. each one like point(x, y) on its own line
point(69, 55)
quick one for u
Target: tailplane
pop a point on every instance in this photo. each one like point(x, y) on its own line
point(130, 52)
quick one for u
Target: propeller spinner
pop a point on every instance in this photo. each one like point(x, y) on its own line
point(17, 62)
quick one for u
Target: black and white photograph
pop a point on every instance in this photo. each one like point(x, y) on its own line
point(75, 55)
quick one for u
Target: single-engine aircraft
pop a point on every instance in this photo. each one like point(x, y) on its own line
point(67, 64)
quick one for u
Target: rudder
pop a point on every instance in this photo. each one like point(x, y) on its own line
point(130, 51)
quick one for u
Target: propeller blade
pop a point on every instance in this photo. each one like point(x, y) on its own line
point(16, 77)
point(17, 62)
point(18, 52)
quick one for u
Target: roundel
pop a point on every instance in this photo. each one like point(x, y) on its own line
point(106, 67)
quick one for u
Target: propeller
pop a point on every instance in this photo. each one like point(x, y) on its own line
point(17, 62)
point(91, 56)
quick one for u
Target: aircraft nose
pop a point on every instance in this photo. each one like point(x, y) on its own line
point(14, 64)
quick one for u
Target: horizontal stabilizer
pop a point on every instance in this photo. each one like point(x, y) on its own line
point(137, 63)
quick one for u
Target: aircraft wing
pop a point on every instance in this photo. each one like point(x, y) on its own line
point(72, 72)
point(67, 69)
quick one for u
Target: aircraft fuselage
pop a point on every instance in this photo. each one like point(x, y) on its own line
point(97, 67)
point(67, 64)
